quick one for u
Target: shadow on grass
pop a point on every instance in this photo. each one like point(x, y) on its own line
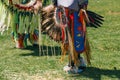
point(97, 74)
point(45, 51)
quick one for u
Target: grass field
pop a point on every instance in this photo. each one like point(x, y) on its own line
point(17, 64)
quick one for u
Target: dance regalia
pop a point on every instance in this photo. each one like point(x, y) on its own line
point(76, 28)
point(22, 16)
point(70, 28)
point(65, 22)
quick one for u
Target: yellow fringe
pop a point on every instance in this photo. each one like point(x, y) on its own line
point(87, 53)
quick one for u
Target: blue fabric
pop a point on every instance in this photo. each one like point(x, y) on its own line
point(78, 38)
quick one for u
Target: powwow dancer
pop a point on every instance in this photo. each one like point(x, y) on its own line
point(65, 22)
point(21, 16)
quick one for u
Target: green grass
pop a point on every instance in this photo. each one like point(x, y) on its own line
point(17, 64)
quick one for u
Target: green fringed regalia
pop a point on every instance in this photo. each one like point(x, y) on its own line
point(21, 17)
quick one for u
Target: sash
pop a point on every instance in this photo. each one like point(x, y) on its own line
point(78, 34)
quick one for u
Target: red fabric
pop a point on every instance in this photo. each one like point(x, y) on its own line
point(63, 26)
point(63, 35)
